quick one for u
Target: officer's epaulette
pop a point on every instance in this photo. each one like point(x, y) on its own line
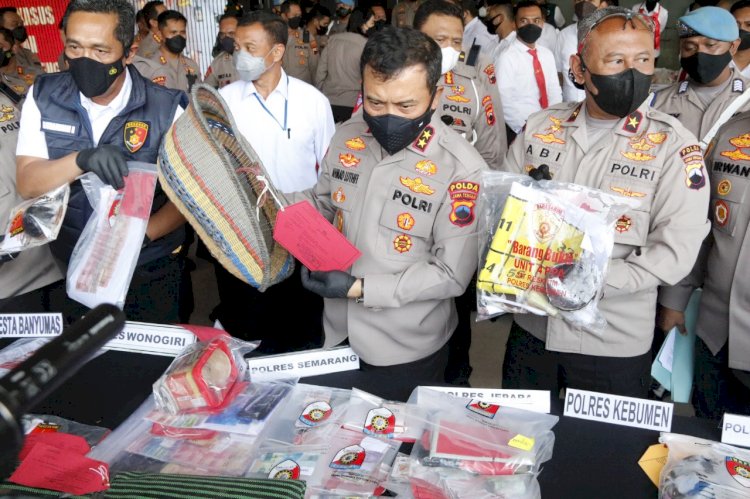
point(683, 87)
point(9, 93)
point(471, 59)
point(738, 86)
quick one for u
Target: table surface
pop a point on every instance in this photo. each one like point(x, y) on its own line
point(590, 459)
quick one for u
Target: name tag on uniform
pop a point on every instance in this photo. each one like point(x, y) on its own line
point(152, 339)
point(735, 430)
point(30, 325)
point(302, 364)
point(530, 400)
point(51, 126)
point(623, 411)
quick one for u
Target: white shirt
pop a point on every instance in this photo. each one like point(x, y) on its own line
point(517, 85)
point(31, 139)
point(567, 45)
point(661, 13)
point(289, 153)
point(475, 32)
point(549, 37)
point(503, 45)
point(745, 72)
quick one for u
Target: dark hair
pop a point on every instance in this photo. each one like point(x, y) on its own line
point(317, 12)
point(224, 17)
point(525, 4)
point(139, 16)
point(149, 10)
point(439, 7)
point(273, 25)
point(471, 6)
point(3, 10)
point(357, 18)
point(506, 8)
point(125, 30)
point(391, 50)
point(741, 4)
point(285, 7)
point(170, 15)
point(8, 35)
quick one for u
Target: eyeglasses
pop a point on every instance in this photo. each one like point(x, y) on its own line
point(628, 17)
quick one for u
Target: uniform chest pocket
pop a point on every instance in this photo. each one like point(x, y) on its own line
point(727, 199)
point(406, 222)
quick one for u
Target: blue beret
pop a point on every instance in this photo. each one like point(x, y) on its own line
point(350, 3)
point(711, 22)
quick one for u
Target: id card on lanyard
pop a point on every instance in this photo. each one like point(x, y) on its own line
point(286, 107)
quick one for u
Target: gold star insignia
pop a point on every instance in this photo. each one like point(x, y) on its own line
point(426, 134)
point(633, 122)
point(422, 142)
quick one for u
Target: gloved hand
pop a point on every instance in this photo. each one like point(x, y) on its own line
point(107, 161)
point(9, 256)
point(334, 284)
point(540, 173)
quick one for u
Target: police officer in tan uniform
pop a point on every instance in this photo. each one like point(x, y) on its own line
point(168, 67)
point(300, 58)
point(149, 44)
point(30, 281)
point(722, 363)
point(222, 72)
point(467, 105)
point(403, 13)
point(25, 58)
point(404, 189)
point(615, 142)
point(708, 38)
point(469, 99)
point(18, 78)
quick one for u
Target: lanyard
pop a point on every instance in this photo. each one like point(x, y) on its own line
point(286, 104)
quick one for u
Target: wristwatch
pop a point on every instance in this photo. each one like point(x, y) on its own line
point(361, 297)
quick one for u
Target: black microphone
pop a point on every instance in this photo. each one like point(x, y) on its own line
point(38, 376)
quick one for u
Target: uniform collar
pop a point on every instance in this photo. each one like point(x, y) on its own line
point(282, 87)
point(628, 126)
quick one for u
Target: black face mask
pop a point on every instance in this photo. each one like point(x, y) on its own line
point(342, 12)
point(529, 33)
point(584, 9)
point(5, 57)
point(227, 44)
point(489, 23)
point(622, 93)
point(393, 132)
point(705, 68)
point(294, 22)
point(322, 31)
point(93, 78)
point(380, 24)
point(176, 44)
point(744, 40)
point(20, 34)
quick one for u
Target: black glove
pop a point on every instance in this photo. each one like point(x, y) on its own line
point(540, 173)
point(107, 161)
point(334, 284)
point(9, 256)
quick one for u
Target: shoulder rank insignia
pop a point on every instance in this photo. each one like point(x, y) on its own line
point(574, 114)
point(633, 122)
point(738, 86)
point(424, 138)
point(683, 87)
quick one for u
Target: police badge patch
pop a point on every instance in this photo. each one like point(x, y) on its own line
point(135, 134)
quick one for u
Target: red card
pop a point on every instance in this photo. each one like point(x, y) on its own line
point(312, 239)
point(49, 467)
point(63, 441)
